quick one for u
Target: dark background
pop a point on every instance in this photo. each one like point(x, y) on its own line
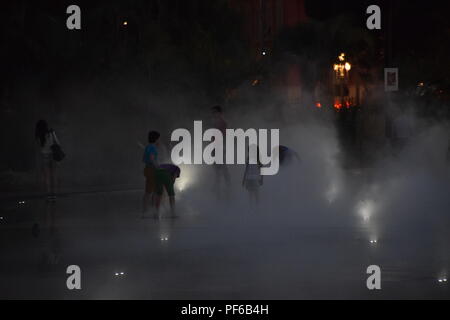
point(103, 87)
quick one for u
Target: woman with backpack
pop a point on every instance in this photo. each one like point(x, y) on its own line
point(48, 155)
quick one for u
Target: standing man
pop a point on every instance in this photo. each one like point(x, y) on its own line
point(150, 160)
point(253, 180)
point(221, 170)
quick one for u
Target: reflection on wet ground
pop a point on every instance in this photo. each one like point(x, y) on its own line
point(215, 254)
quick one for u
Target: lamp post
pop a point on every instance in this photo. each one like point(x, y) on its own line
point(341, 69)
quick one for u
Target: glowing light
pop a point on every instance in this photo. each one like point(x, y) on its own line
point(318, 105)
point(164, 238)
point(125, 23)
point(264, 53)
point(366, 209)
point(117, 274)
point(186, 178)
point(21, 202)
point(342, 67)
point(181, 185)
point(338, 106)
point(373, 241)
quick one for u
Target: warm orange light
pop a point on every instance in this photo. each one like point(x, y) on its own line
point(338, 105)
point(125, 23)
point(318, 105)
point(342, 67)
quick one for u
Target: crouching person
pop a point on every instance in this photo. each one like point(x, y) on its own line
point(165, 176)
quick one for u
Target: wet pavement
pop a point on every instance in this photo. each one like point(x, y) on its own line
point(231, 253)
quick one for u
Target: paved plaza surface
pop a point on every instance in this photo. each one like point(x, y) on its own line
point(222, 248)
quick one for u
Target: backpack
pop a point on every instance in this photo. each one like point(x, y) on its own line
point(57, 152)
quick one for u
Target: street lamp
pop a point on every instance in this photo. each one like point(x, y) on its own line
point(341, 69)
point(348, 66)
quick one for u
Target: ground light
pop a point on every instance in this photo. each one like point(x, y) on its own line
point(366, 209)
point(186, 178)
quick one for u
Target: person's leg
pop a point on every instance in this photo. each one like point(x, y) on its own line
point(169, 182)
point(172, 205)
point(47, 179)
point(253, 197)
point(248, 186)
point(54, 179)
point(257, 196)
point(153, 199)
point(149, 195)
point(226, 178)
point(145, 202)
point(157, 202)
point(159, 189)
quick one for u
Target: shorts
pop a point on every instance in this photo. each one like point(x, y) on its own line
point(163, 181)
point(47, 161)
point(149, 174)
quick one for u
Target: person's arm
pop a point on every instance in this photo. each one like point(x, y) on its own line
point(38, 153)
point(55, 138)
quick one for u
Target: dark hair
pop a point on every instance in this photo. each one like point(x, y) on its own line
point(41, 131)
point(153, 136)
point(217, 109)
